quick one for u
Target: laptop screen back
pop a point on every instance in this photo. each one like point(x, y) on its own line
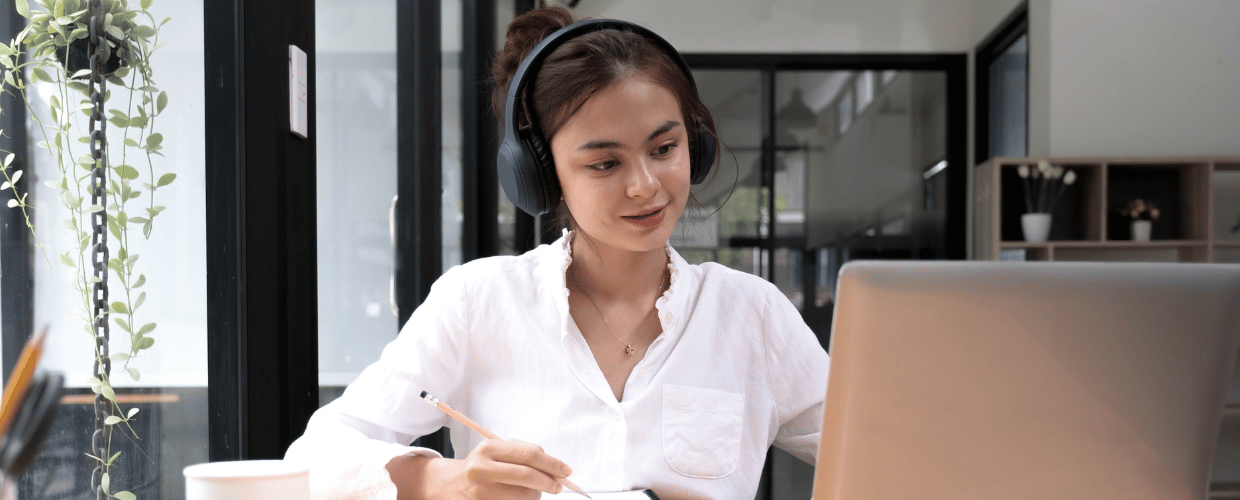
point(983, 380)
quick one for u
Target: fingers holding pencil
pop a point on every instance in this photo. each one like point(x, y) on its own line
point(513, 451)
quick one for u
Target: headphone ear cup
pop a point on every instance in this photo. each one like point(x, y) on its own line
point(546, 184)
point(703, 154)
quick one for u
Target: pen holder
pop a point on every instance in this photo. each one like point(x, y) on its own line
point(242, 479)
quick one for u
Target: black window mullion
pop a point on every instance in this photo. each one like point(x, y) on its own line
point(419, 179)
point(262, 320)
point(480, 234)
point(16, 251)
point(524, 225)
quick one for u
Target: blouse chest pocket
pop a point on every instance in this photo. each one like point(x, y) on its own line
point(702, 430)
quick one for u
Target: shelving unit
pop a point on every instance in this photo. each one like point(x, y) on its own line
point(1199, 198)
point(1200, 201)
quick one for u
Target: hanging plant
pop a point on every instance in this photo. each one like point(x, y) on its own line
point(51, 56)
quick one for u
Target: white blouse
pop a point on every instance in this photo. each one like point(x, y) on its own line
point(734, 371)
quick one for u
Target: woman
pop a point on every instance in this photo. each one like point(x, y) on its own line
point(604, 351)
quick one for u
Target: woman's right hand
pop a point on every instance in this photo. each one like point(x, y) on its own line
point(494, 469)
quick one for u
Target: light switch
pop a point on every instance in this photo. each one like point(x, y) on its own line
point(297, 94)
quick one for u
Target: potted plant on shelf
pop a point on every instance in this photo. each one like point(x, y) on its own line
point(1142, 213)
point(1044, 186)
point(48, 64)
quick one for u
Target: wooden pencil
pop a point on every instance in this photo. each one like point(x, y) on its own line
point(19, 380)
point(456, 415)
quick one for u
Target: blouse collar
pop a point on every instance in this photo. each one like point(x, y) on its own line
point(669, 304)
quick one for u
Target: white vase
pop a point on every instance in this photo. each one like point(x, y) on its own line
point(1036, 226)
point(1141, 230)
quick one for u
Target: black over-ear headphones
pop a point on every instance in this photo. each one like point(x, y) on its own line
point(526, 169)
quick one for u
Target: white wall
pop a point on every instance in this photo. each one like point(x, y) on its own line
point(845, 26)
point(1135, 77)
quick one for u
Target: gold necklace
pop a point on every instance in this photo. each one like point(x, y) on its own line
point(628, 348)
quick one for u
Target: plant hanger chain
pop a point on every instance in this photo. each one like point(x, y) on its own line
point(99, 239)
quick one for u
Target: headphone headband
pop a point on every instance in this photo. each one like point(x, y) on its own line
point(533, 61)
point(524, 163)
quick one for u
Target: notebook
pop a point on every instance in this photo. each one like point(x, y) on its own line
point(620, 495)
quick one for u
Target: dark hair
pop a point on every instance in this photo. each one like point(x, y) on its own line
point(581, 68)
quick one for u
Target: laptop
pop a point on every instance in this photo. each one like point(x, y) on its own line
point(1027, 381)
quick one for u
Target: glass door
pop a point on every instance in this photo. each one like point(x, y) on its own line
point(819, 167)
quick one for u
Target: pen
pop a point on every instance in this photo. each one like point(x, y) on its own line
point(19, 380)
point(434, 401)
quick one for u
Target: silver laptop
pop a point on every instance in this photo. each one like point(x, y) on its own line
point(986, 380)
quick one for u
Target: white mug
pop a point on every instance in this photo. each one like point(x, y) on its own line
point(246, 479)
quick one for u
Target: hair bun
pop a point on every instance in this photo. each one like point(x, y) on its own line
point(524, 33)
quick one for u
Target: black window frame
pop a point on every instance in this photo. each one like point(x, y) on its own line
point(1009, 31)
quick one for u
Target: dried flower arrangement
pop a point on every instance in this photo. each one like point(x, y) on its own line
point(1040, 184)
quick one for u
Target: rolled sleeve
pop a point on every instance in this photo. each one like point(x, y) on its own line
point(349, 442)
point(798, 368)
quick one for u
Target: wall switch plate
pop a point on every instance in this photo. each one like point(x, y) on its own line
point(297, 93)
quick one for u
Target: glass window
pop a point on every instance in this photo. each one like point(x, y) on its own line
point(864, 85)
point(169, 432)
point(727, 223)
point(357, 145)
point(844, 108)
point(356, 183)
point(1009, 95)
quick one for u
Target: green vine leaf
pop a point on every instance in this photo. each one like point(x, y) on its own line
point(142, 31)
point(133, 372)
point(112, 420)
point(161, 102)
point(136, 305)
point(145, 343)
point(23, 8)
point(120, 307)
point(119, 357)
point(127, 172)
point(105, 482)
point(38, 73)
point(146, 4)
point(166, 179)
point(132, 412)
point(141, 281)
point(64, 259)
point(125, 495)
point(147, 328)
point(107, 392)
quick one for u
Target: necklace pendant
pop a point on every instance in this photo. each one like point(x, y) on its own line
point(628, 350)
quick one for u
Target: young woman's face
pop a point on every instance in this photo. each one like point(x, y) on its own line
point(623, 165)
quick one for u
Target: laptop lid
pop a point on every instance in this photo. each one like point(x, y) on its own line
point(983, 380)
